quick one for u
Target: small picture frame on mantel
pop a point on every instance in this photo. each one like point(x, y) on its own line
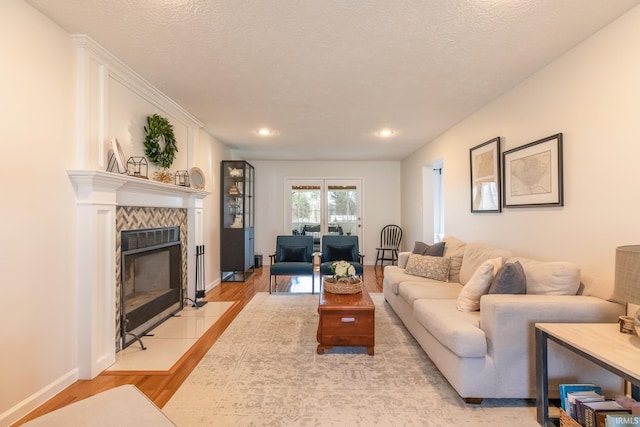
point(485, 176)
point(532, 174)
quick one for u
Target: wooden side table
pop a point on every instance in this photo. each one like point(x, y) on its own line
point(600, 343)
point(346, 320)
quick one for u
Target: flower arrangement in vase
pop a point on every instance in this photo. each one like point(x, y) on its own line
point(343, 269)
point(344, 280)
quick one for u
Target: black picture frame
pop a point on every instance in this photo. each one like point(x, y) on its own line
point(484, 163)
point(533, 174)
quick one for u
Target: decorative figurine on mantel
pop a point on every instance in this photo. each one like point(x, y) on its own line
point(159, 133)
point(182, 178)
point(116, 159)
point(138, 167)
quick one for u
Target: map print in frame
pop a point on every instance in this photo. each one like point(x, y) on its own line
point(485, 176)
point(532, 174)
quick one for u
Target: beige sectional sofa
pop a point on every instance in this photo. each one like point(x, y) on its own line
point(490, 353)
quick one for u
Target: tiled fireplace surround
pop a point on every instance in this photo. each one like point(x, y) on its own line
point(139, 218)
point(108, 203)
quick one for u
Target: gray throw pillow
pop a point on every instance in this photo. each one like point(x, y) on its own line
point(421, 248)
point(510, 279)
point(436, 249)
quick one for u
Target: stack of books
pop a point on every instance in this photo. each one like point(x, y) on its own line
point(586, 404)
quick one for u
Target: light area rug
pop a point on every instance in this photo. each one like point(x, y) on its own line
point(264, 371)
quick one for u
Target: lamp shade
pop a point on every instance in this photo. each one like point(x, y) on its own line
point(627, 276)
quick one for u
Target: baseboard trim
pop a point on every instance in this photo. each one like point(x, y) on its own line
point(212, 285)
point(32, 402)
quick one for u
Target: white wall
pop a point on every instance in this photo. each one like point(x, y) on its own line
point(37, 255)
point(381, 197)
point(41, 141)
point(591, 95)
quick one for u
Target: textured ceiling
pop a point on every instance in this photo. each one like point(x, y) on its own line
point(327, 74)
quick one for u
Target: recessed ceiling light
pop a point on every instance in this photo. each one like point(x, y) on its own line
point(264, 132)
point(385, 133)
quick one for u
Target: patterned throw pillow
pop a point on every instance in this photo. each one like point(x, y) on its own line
point(431, 267)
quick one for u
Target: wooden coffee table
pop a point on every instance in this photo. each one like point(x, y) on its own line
point(346, 320)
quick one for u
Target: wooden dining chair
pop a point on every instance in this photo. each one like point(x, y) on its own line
point(390, 238)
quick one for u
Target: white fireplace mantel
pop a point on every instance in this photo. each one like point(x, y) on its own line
point(98, 194)
point(94, 186)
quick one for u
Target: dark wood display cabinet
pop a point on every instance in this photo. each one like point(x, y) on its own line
point(237, 204)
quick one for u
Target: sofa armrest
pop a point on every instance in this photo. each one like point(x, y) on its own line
point(503, 315)
point(403, 257)
point(509, 322)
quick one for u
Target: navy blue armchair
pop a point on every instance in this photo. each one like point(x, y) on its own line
point(293, 257)
point(340, 248)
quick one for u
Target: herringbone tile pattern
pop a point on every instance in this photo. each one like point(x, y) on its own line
point(136, 218)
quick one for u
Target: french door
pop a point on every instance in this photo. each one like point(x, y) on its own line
point(323, 206)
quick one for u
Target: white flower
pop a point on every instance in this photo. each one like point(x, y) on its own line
point(343, 269)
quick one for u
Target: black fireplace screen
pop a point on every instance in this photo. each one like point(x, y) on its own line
point(151, 281)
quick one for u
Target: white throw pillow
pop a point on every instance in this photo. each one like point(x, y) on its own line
point(550, 278)
point(478, 285)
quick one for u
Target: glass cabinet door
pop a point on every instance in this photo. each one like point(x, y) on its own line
point(248, 196)
point(237, 220)
point(237, 197)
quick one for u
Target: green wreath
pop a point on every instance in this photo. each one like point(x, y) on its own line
point(158, 128)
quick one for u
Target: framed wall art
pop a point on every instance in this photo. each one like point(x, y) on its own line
point(532, 174)
point(485, 176)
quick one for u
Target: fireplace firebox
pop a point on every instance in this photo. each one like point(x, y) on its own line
point(151, 280)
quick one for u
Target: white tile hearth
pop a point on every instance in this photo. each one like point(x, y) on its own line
point(169, 341)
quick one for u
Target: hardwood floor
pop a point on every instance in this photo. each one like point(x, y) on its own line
point(160, 387)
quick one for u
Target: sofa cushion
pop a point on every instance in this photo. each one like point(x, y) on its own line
point(291, 268)
point(550, 278)
point(455, 265)
point(452, 244)
point(431, 267)
point(475, 253)
point(478, 285)
point(454, 250)
point(457, 331)
point(421, 248)
point(394, 275)
point(412, 291)
point(510, 279)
